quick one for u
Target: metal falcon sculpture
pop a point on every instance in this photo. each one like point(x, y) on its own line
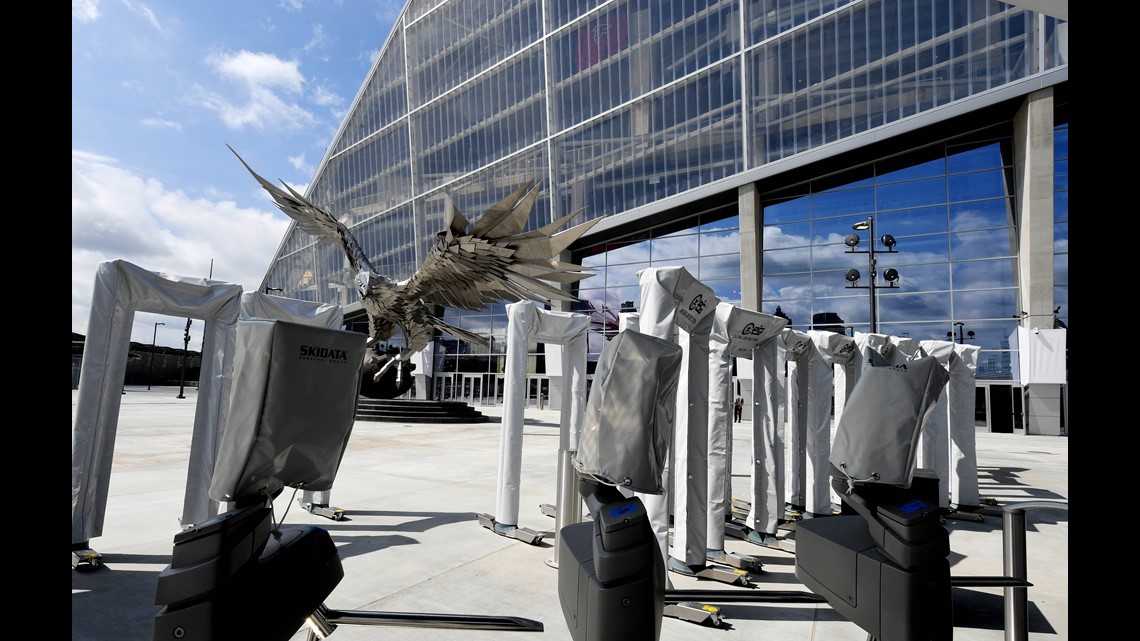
point(493, 261)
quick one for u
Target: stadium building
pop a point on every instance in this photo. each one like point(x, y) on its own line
point(741, 139)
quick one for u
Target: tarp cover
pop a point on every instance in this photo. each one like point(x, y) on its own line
point(877, 437)
point(630, 413)
point(291, 411)
point(121, 289)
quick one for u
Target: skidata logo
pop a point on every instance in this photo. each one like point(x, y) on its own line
point(698, 304)
point(752, 329)
point(324, 354)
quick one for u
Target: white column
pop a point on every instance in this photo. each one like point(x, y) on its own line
point(737, 333)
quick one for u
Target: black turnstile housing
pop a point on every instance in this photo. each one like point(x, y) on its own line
point(227, 574)
point(611, 577)
point(883, 564)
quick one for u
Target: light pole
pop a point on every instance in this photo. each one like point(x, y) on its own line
point(182, 373)
point(969, 335)
point(891, 275)
point(153, 340)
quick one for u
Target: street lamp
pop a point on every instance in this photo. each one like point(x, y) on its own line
point(153, 339)
point(891, 275)
point(969, 335)
point(182, 373)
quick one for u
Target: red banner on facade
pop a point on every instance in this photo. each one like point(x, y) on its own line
point(601, 39)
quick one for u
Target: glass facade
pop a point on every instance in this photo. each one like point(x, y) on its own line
point(623, 107)
point(950, 210)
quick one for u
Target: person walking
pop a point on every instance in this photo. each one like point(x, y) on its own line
point(737, 408)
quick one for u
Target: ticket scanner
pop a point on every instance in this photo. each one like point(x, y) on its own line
point(242, 574)
point(883, 562)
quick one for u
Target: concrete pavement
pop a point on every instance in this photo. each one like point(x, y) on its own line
point(411, 541)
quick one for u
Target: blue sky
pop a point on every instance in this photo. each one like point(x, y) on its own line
point(159, 88)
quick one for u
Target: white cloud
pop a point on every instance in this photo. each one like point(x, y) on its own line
point(259, 70)
point(148, 15)
point(268, 81)
point(118, 214)
point(161, 123)
point(85, 10)
point(317, 41)
point(301, 166)
point(327, 98)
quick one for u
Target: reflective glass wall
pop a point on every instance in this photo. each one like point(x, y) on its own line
point(949, 210)
point(621, 105)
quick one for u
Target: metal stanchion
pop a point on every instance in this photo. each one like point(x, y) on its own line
point(1014, 565)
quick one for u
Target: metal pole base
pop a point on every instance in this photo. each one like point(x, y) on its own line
point(511, 531)
point(323, 622)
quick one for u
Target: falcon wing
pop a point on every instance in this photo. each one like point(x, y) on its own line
point(313, 220)
point(495, 260)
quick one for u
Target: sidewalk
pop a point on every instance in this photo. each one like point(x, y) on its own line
point(411, 541)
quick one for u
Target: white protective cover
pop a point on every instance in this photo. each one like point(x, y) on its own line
point(934, 442)
point(736, 333)
point(121, 289)
point(877, 441)
point(259, 305)
point(798, 353)
point(1039, 355)
point(527, 321)
point(674, 302)
point(827, 389)
point(963, 439)
point(880, 344)
point(630, 412)
point(291, 411)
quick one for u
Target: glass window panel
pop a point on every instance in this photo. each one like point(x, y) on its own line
point(673, 246)
point(836, 257)
point(1061, 238)
point(624, 275)
point(981, 155)
point(850, 309)
point(977, 274)
point(977, 185)
point(909, 222)
point(1061, 205)
point(796, 311)
point(785, 261)
point(832, 283)
point(732, 222)
point(1060, 276)
point(785, 287)
point(692, 265)
point(1061, 141)
point(787, 235)
point(923, 278)
point(637, 252)
point(913, 307)
point(925, 163)
point(981, 214)
point(863, 176)
point(987, 303)
point(991, 334)
point(1061, 174)
point(728, 291)
point(929, 191)
point(983, 244)
point(835, 230)
point(838, 203)
point(721, 242)
point(720, 267)
point(786, 211)
point(916, 250)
